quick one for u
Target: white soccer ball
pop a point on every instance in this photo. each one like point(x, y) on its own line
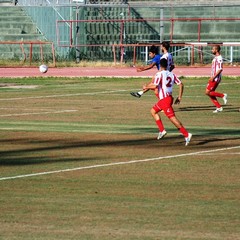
point(43, 68)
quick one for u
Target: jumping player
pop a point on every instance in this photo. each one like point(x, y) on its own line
point(215, 79)
point(170, 66)
point(164, 81)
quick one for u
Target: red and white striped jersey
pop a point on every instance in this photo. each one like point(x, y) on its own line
point(165, 80)
point(217, 64)
point(169, 58)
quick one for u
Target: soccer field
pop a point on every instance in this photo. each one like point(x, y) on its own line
point(79, 159)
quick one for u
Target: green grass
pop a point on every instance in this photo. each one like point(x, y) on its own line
point(161, 190)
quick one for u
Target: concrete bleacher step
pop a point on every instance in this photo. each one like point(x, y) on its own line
point(20, 27)
point(7, 13)
point(205, 37)
point(21, 37)
point(17, 26)
point(14, 18)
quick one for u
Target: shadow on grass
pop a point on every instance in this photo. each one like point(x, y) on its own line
point(21, 156)
point(227, 108)
point(58, 150)
point(217, 140)
point(24, 160)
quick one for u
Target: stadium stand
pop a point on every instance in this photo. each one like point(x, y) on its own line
point(15, 25)
point(133, 23)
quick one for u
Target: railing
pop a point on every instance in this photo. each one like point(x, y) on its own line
point(193, 51)
point(28, 46)
point(122, 23)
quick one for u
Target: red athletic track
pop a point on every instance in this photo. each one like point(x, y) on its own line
point(110, 72)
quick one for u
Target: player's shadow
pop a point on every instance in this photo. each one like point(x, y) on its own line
point(228, 108)
point(217, 140)
point(194, 108)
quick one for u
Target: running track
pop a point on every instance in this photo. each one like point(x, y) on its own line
point(110, 72)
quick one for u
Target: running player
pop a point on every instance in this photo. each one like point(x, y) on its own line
point(170, 66)
point(164, 81)
point(215, 79)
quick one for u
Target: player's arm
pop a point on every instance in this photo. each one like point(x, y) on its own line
point(140, 69)
point(216, 75)
point(172, 67)
point(180, 93)
point(181, 87)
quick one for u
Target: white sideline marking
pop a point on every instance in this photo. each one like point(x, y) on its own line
point(211, 154)
point(62, 95)
point(117, 163)
point(92, 93)
point(38, 113)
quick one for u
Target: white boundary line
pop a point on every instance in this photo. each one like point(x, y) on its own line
point(63, 95)
point(117, 163)
point(38, 113)
point(90, 93)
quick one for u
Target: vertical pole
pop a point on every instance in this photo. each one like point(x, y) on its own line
point(71, 38)
point(192, 57)
point(134, 56)
point(189, 54)
point(53, 54)
point(41, 52)
point(231, 54)
point(30, 54)
point(23, 52)
point(199, 30)
point(171, 34)
point(114, 54)
point(161, 26)
point(122, 37)
point(146, 54)
point(77, 36)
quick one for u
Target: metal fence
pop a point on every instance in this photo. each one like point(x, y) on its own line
point(65, 23)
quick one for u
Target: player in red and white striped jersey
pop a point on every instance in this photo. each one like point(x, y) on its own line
point(164, 81)
point(215, 79)
point(170, 65)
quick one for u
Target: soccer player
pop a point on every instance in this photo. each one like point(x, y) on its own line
point(215, 79)
point(170, 66)
point(155, 61)
point(164, 81)
point(168, 56)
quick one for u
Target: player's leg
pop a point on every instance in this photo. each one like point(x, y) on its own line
point(169, 112)
point(210, 91)
point(219, 95)
point(154, 112)
point(181, 129)
point(140, 93)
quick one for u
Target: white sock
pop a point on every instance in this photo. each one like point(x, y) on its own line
point(140, 93)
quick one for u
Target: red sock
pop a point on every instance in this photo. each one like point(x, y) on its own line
point(216, 94)
point(183, 131)
point(160, 125)
point(215, 101)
